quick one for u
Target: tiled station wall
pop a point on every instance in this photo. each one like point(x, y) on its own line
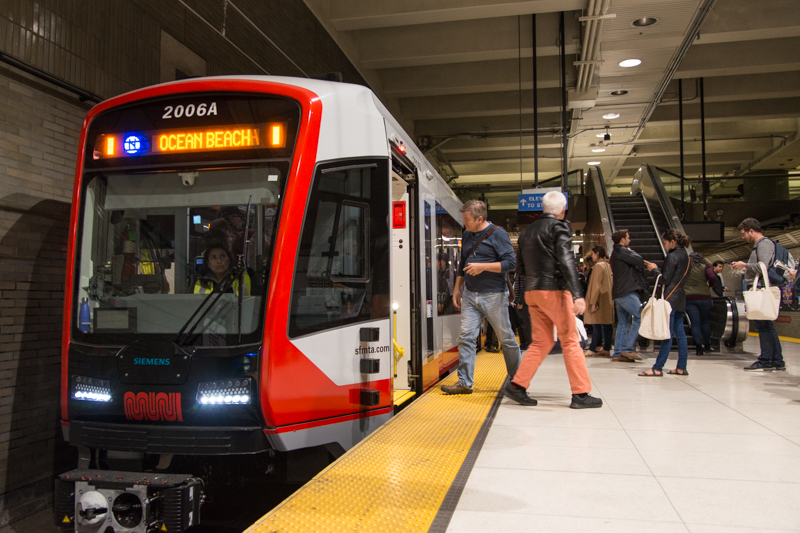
point(105, 47)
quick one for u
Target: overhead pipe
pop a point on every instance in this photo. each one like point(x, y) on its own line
point(689, 37)
point(596, 48)
point(587, 36)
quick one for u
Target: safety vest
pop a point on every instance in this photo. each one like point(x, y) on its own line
point(206, 285)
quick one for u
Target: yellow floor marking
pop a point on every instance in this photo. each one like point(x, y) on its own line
point(787, 339)
point(402, 396)
point(396, 479)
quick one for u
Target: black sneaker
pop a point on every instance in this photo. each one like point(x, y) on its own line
point(758, 366)
point(779, 367)
point(518, 394)
point(585, 401)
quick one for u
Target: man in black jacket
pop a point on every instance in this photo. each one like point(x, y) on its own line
point(627, 270)
point(554, 297)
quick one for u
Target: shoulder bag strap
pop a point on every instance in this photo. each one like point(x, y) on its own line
point(688, 266)
point(485, 236)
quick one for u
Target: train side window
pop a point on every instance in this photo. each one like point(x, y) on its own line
point(342, 271)
point(448, 255)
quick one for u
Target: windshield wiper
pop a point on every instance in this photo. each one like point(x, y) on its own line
point(243, 263)
point(222, 287)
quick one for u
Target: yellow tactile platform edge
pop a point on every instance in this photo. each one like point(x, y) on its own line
point(396, 479)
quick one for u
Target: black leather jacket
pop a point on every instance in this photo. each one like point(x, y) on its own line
point(546, 258)
point(673, 277)
point(627, 270)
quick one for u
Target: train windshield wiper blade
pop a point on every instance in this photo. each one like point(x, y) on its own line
point(223, 286)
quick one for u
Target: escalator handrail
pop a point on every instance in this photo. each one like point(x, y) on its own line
point(655, 227)
point(671, 216)
point(603, 205)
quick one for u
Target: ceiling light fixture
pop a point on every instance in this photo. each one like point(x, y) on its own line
point(645, 21)
point(596, 150)
point(594, 163)
point(610, 116)
point(630, 63)
point(618, 93)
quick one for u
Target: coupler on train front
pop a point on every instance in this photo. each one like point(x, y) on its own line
point(107, 501)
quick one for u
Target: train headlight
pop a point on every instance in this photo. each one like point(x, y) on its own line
point(224, 392)
point(91, 389)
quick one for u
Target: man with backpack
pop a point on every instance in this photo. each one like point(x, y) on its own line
point(764, 251)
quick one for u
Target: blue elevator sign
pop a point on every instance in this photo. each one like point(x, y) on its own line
point(533, 201)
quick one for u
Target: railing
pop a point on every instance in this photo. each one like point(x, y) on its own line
point(600, 225)
point(770, 185)
point(648, 182)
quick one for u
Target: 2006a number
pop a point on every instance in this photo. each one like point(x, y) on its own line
point(190, 110)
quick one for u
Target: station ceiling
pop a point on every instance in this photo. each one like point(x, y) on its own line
point(458, 76)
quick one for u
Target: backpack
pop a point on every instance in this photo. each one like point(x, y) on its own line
point(780, 276)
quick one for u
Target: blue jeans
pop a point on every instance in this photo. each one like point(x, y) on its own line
point(493, 306)
point(698, 311)
point(676, 329)
point(629, 317)
point(771, 351)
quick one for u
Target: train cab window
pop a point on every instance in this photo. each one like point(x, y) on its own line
point(153, 245)
point(342, 271)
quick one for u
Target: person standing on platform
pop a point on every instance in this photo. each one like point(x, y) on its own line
point(698, 302)
point(481, 291)
point(771, 357)
point(674, 277)
point(627, 268)
point(719, 286)
point(554, 297)
point(599, 304)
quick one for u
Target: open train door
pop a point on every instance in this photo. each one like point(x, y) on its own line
point(404, 312)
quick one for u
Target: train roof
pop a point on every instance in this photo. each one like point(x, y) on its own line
point(354, 123)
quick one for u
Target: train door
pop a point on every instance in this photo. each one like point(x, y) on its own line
point(402, 303)
point(448, 255)
point(431, 364)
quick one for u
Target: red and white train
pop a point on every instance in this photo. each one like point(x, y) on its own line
point(256, 265)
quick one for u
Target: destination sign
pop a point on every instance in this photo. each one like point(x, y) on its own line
point(219, 138)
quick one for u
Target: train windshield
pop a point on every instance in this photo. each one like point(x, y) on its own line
point(183, 254)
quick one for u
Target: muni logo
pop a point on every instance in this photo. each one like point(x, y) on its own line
point(153, 406)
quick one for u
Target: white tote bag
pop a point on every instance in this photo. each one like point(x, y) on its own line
point(655, 317)
point(762, 304)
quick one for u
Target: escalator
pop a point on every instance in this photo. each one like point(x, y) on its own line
point(631, 213)
point(647, 212)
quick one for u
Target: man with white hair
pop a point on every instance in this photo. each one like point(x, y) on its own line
point(480, 291)
point(554, 296)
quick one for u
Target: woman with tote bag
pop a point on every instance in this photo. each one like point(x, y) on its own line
point(674, 275)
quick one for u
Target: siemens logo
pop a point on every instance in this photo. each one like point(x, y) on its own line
point(153, 361)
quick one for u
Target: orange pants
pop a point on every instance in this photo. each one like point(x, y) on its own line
point(549, 308)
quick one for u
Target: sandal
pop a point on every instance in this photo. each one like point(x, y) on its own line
point(652, 373)
point(678, 372)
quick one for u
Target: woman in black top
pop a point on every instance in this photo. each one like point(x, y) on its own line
point(674, 276)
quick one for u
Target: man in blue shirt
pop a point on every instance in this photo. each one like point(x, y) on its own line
point(480, 291)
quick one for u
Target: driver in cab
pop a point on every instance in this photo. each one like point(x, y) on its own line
point(218, 275)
